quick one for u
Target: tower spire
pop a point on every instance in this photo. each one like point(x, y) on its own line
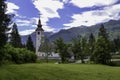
point(39, 26)
point(39, 37)
point(39, 23)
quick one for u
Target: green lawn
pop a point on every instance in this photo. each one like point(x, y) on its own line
point(59, 72)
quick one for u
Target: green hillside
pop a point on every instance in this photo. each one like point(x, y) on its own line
point(59, 72)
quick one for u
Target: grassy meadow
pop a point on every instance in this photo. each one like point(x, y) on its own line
point(42, 71)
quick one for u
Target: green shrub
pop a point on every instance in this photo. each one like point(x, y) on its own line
point(19, 55)
point(114, 63)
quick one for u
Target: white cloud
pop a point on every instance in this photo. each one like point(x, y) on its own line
point(25, 22)
point(65, 1)
point(26, 32)
point(44, 26)
point(48, 9)
point(48, 29)
point(11, 8)
point(91, 3)
point(31, 22)
point(94, 17)
point(29, 31)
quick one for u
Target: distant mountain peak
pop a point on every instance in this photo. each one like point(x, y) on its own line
point(112, 26)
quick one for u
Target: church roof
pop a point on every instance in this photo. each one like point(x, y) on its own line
point(39, 26)
point(39, 29)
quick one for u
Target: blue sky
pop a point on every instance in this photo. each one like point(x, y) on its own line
point(61, 14)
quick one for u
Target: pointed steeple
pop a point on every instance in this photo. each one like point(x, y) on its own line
point(39, 26)
point(39, 23)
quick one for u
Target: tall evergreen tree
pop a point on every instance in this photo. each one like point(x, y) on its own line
point(76, 47)
point(15, 37)
point(4, 22)
point(91, 42)
point(29, 44)
point(102, 51)
point(103, 32)
point(84, 48)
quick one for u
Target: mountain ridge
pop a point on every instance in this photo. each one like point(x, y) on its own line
point(112, 26)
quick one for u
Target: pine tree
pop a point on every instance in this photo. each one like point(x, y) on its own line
point(76, 47)
point(103, 32)
point(29, 44)
point(4, 22)
point(84, 49)
point(102, 51)
point(91, 42)
point(15, 37)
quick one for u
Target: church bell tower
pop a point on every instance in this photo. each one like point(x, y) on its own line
point(39, 37)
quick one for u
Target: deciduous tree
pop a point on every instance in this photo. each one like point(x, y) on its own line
point(46, 47)
point(62, 49)
point(80, 48)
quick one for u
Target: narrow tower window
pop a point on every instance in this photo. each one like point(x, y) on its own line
point(38, 33)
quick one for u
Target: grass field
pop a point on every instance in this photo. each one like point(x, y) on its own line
point(59, 72)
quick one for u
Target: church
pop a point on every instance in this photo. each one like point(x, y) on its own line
point(40, 40)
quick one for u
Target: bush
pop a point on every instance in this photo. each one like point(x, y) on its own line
point(19, 55)
point(114, 63)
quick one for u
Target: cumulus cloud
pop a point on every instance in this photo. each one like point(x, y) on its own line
point(32, 23)
point(48, 9)
point(25, 21)
point(11, 8)
point(96, 16)
point(91, 3)
point(65, 1)
point(26, 32)
point(29, 31)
